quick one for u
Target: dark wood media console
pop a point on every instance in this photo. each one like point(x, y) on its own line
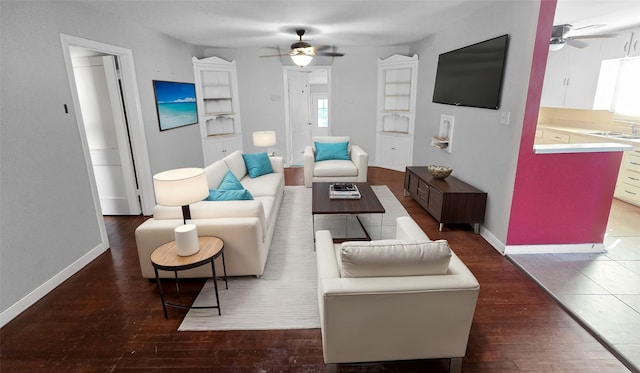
point(449, 201)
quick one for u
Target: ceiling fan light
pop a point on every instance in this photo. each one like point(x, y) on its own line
point(556, 44)
point(301, 60)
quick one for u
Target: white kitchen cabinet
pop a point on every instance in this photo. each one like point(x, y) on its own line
point(571, 77)
point(626, 45)
point(397, 87)
point(628, 183)
point(218, 107)
point(550, 136)
point(582, 139)
point(391, 151)
point(217, 147)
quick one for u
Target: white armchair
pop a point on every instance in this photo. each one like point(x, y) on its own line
point(380, 301)
point(339, 170)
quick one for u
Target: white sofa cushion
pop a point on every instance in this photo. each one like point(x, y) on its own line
point(235, 162)
point(335, 167)
point(265, 185)
point(391, 258)
point(215, 172)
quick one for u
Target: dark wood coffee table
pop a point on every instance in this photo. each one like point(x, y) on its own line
point(322, 205)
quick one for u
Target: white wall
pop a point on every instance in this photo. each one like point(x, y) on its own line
point(48, 220)
point(353, 93)
point(484, 152)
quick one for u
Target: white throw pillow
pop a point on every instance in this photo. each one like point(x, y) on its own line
point(391, 258)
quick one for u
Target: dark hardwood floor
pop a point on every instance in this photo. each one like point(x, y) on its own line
point(108, 318)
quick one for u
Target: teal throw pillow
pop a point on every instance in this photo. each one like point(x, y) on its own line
point(230, 182)
point(229, 195)
point(332, 150)
point(257, 164)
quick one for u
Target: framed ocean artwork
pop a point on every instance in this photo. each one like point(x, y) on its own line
point(175, 104)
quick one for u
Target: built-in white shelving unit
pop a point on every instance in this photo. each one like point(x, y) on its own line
point(216, 83)
point(397, 80)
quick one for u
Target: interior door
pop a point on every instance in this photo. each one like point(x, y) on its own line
point(308, 100)
point(107, 136)
point(124, 166)
point(299, 114)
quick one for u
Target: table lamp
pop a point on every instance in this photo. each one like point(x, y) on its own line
point(265, 139)
point(181, 187)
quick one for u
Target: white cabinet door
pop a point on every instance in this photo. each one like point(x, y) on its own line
point(555, 77)
point(393, 152)
point(218, 148)
point(571, 77)
point(627, 44)
point(582, 80)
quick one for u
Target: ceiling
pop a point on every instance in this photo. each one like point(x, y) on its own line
point(602, 15)
point(343, 23)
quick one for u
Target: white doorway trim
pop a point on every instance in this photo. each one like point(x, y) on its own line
point(134, 115)
point(287, 112)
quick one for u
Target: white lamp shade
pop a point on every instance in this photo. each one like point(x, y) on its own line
point(264, 138)
point(301, 59)
point(180, 187)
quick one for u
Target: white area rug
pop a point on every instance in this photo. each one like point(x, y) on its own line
point(285, 296)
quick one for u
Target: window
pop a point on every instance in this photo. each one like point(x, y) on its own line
point(323, 112)
point(618, 88)
point(627, 93)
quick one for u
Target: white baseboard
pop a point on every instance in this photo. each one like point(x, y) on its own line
point(555, 249)
point(492, 240)
point(44, 289)
point(540, 249)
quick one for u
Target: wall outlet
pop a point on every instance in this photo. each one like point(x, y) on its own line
point(504, 117)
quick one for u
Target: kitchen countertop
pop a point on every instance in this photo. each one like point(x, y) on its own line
point(602, 143)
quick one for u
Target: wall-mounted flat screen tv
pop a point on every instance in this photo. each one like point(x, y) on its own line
point(175, 104)
point(472, 76)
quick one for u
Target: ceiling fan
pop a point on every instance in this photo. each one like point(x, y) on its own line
point(560, 38)
point(302, 53)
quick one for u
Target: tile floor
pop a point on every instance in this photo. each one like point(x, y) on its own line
point(601, 290)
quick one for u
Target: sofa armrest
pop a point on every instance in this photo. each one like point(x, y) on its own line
point(277, 163)
point(245, 251)
point(361, 159)
point(407, 229)
point(309, 159)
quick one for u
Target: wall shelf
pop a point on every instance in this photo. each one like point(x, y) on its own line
point(445, 133)
point(440, 142)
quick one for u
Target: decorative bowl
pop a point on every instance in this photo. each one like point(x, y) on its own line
point(439, 172)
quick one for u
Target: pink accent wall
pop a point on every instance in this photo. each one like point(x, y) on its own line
point(558, 198)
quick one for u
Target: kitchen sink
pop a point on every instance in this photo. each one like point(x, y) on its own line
point(603, 133)
point(630, 137)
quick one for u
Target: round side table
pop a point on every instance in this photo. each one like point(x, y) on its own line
point(166, 258)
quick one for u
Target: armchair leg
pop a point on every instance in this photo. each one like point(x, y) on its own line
point(456, 365)
point(331, 368)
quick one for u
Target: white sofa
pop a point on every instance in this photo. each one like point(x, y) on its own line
point(353, 170)
point(380, 301)
point(246, 226)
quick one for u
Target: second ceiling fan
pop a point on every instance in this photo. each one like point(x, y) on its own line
point(560, 37)
point(302, 53)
